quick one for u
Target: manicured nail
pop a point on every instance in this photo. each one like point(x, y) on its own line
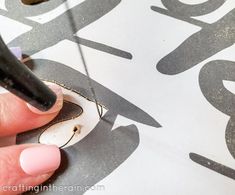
point(17, 52)
point(39, 160)
point(58, 104)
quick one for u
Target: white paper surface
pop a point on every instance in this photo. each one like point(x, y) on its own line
point(161, 163)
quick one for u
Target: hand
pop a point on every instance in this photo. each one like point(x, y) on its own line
point(25, 166)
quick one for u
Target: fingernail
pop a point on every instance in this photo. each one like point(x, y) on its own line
point(40, 160)
point(58, 104)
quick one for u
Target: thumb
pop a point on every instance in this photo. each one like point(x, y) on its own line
point(24, 166)
point(17, 116)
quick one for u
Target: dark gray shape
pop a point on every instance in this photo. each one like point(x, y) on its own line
point(45, 35)
point(76, 81)
point(184, 12)
point(178, 7)
point(212, 165)
point(69, 111)
point(211, 83)
point(200, 46)
point(179, 17)
point(230, 136)
point(18, 9)
point(103, 48)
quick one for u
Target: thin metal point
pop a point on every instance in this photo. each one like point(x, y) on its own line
point(73, 27)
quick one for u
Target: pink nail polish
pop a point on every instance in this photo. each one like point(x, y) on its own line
point(17, 52)
point(58, 104)
point(40, 160)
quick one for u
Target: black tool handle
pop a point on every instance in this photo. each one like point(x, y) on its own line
point(20, 80)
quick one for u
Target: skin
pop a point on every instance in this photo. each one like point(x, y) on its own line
point(14, 112)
